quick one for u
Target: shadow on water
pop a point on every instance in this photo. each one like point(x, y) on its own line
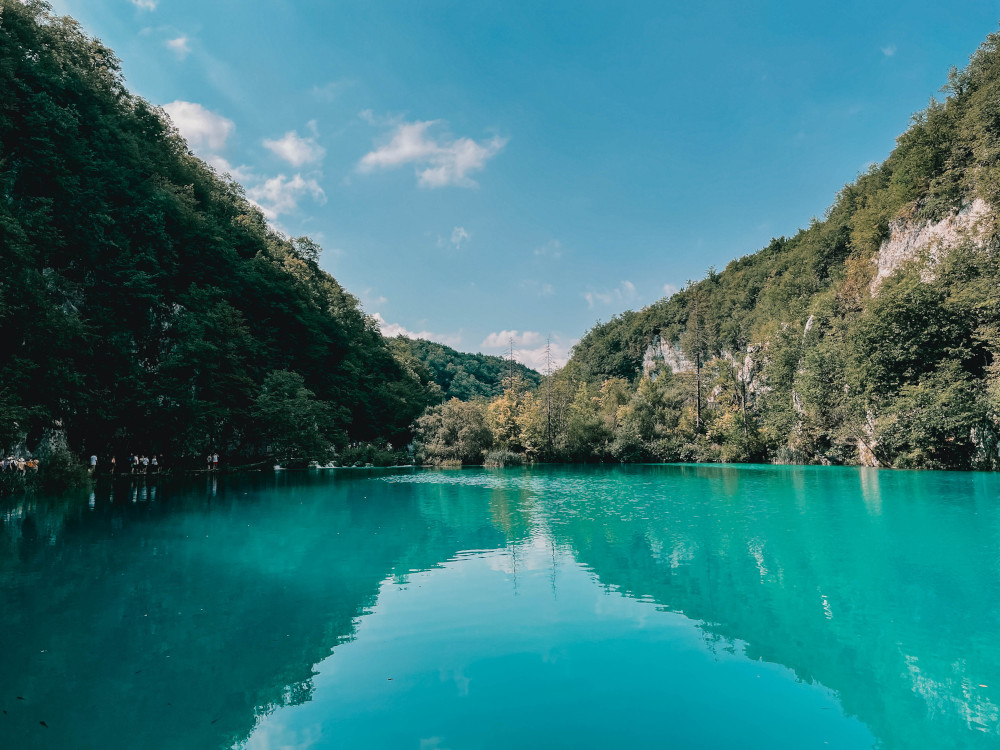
point(177, 614)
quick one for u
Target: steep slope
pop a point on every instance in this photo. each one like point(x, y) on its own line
point(143, 299)
point(868, 337)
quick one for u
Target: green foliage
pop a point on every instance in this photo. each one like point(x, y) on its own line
point(500, 459)
point(931, 423)
point(144, 300)
point(379, 454)
point(294, 425)
point(455, 431)
point(460, 375)
point(789, 354)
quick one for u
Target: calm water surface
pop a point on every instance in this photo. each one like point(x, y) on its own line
point(651, 606)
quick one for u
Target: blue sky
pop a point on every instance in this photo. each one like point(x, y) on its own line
point(481, 170)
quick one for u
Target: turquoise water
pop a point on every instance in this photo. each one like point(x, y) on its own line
point(650, 606)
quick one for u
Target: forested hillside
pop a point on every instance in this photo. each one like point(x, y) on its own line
point(145, 305)
point(869, 337)
point(459, 374)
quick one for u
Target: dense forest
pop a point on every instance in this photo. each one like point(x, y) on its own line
point(145, 304)
point(459, 374)
point(870, 337)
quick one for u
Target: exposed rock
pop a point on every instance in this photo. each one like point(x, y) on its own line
point(797, 404)
point(908, 240)
point(660, 352)
point(867, 442)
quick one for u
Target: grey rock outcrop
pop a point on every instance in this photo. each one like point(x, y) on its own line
point(909, 240)
point(661, 353)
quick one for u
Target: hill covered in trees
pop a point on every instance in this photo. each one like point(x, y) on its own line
point(459, 374)
point(870, 337)
point(145, 304)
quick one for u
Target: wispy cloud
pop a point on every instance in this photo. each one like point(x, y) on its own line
point(501, 339)
point(179, 46)
point(530, 348)
point(330, 90)
point(207, 133)
point(458, 234)
point(439, 160)
point(281, 194)
point(201, 128)
point(394, 329)
point(369, 298)
point(889, 50)
point(669, 290)
point(242, 173)
point(144, 4)
point(624, 292)
point(295, 149)
point(537, 359)
point(551, 249)
point(539, 288)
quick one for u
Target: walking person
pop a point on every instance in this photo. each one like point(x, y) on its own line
point(93, 464)
point(215, 462)
point(145, 465)
point(156, 466)
point(114, 464)
point(208, 462)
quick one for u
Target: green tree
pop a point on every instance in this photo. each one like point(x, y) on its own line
point(293, 423)
point(453, 431)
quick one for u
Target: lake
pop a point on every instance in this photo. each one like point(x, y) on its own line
point(549, 607)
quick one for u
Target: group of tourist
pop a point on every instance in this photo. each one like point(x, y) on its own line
point(18, 463)
point(135, 464)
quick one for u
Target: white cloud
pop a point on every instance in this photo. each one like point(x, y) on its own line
point(145, 4)
point(669, 290)
point(536, 358)
point(540, 288)
point(530, 348)
point(370, 299)
point(551, 249)
point(889, 50)
point(242, 173)
point(330, 90)
point(457, 235)
point(439, 161)
point(502, 339)
point(280, 195)
point(295, 149)
point(394, 329)
point(179, 47)
point(207, 132)
point(200, 127)
point(624, 292)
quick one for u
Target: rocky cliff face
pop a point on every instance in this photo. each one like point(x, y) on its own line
point(664, 353)
point(910, 240)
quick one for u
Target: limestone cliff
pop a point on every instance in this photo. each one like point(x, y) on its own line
point(909, 240)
